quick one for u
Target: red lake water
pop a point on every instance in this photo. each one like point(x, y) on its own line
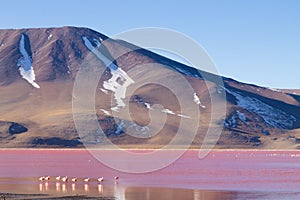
point(223, 174)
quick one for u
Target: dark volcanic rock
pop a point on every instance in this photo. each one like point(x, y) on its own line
point(16, 128)
point(255, 140)
point(54, 141)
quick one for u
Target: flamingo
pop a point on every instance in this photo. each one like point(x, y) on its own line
point(64, 179)
point(42, 178)
point(58, 178)
point(116, 178)
point(86, 180)
point(101, 179)
point(74, 179)
point(47, 178)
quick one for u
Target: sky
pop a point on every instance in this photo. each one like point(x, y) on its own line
point(253, 41)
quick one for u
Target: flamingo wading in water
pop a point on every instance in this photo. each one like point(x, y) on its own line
point(87, 180)
point(74, 179)
point(101, 179)
point(64, 179)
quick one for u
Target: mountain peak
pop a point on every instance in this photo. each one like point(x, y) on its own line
point(53, 53)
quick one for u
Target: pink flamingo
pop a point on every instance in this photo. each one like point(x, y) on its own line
point(86, 180)
point(64, 179)
point(101, 179)
point(74, 179)
point(116, 178)
point(47, 178)
point(42, 178)
point(58, 178)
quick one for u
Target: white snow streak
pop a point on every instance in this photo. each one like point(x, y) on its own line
point(168, 111)
point(272, 116)
point(50, 36)
point(118, 84)
point(25, 64)
point(104, 91)
point(183, 116)
point(197, 100)
point(105, 111)
point(93, 49)
point(275, 90)
point(116, 109)
point(148, 106)
point(119, 81)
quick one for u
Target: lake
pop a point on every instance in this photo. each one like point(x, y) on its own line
point(223, 174)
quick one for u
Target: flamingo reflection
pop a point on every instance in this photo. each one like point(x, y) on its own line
point(86, 187)
point(100, 188)
point(57, 187)
point(64, 188)
point(46, 186)
point(41, 187)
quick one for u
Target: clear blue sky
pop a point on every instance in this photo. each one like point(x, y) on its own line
point(254, 41)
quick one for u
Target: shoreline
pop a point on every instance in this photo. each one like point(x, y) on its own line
point(4, 196)
point(148, 149)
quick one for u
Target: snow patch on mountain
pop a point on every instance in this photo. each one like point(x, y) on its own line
point(105, 111)
point(119, 81)
point(168, 111)
point(272, 116)
point(118, 84)
point(49, 36)
point(132, 129)
point(94, 49)
point(141, 101)
point(180, 69)
point(25, 64)
point(197, 100)
point(275, 90)
point(115, 108)
point(184, 116)
point(148, 106)
point(104, 91)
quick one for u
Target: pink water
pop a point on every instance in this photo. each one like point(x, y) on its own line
point(241, 173)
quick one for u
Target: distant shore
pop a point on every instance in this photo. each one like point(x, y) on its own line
point(147, 149)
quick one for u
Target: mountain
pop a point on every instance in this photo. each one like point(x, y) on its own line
point(38, 70)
